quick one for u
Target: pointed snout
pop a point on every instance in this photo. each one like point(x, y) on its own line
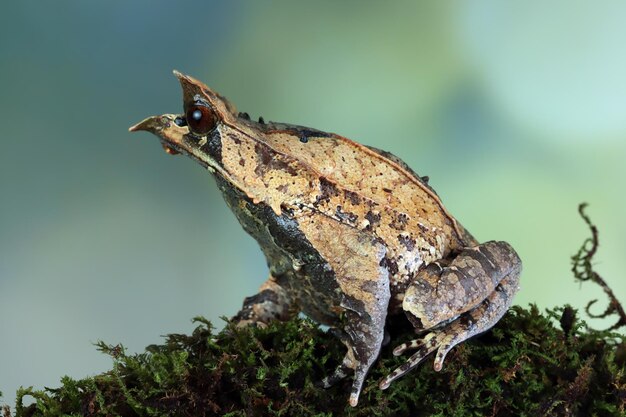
point(150, 124)
point(167, 128)
point(155, 124)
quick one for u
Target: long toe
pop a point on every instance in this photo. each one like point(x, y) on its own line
point(412, 362)
point(413, 344)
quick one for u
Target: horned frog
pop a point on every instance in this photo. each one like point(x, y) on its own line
point(353, 237)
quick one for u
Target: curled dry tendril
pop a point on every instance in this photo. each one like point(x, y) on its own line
point(583, 271)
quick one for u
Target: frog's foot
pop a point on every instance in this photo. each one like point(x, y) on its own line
point(342, 371)
point(271, 303)
point(347, 366)
point(468, 324)
point(363, 334)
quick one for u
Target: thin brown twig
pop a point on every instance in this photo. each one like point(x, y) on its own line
point(583, 271)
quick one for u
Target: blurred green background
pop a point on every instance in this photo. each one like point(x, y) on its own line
point(516, 111)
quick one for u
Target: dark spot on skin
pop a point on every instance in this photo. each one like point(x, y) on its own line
point(407, 242)
point(399, 223)
point(390, 264)
point(327, 190)
point(431, 241)
point(286, 167)
point(235, 138)
point(387, 190)
point(354, 198)
point(345, 216)
point(263, 152)
point(269, 161)
point(422, 228)
point(244, 115)
point(373, 218)
point(371, 204)
point(261, 121)
point(242, 162)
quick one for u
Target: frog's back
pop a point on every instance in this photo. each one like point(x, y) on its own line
point(373, 191)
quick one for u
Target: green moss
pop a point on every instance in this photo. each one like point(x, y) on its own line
point(525, 366)
point(531, 363)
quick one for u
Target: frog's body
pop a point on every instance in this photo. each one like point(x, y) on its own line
point(350, 233)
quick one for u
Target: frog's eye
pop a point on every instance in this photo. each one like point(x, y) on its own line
point(201, 119)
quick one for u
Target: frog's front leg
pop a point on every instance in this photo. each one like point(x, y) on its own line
point(272, 302)
point(458, 301)
point(354, 257)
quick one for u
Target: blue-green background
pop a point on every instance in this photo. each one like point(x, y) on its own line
point(516, 110)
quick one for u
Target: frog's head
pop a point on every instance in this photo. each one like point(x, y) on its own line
point(197, 131)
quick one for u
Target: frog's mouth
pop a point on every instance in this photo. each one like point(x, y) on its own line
point(170, 128)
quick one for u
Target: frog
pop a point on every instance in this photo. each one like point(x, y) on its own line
point(353, 237)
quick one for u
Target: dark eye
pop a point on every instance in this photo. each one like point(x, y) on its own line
point(201, 119)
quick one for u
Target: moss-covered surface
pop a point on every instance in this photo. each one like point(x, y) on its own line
point(531, 363)
point(525, 366)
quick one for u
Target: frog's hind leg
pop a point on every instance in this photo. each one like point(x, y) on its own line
point(469, 296)
point(469, 324)
point(272, 302)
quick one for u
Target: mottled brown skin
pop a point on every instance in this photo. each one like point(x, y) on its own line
point(351, 234)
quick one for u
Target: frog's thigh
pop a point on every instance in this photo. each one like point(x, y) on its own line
point(271, 303)
point(355, 258)
point(440, 293)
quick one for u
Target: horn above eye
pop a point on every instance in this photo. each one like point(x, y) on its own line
point(200, 119)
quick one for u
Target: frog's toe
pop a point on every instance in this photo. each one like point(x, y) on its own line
point(424, 348)
point(340, 373)
point(447, 343)
point(412, 345)
point(343, 370)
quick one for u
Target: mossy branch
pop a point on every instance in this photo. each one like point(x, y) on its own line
point(527, 365)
